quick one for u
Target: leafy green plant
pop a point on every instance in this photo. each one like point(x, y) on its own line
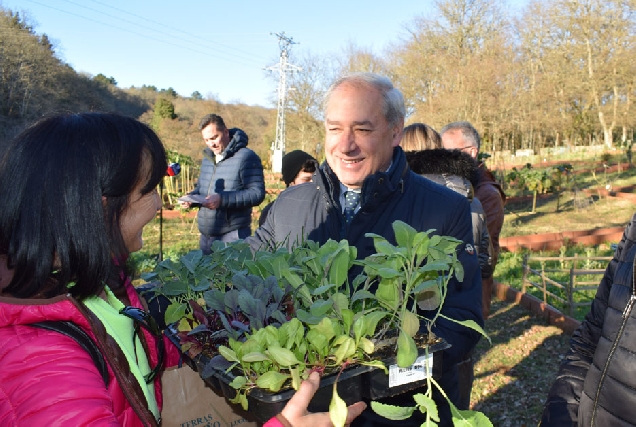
point(413, 274)
point(535, 180)
point(187, 278)
point(284, 314)
point(425, 404)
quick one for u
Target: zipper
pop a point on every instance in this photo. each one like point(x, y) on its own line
point(212, 178)
point(626, 312)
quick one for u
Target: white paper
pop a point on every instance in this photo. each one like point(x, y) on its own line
point(192, 198)
point(420, 370)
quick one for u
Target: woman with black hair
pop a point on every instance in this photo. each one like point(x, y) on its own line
point(76, 346)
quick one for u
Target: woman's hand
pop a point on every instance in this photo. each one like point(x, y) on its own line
point(296, 414)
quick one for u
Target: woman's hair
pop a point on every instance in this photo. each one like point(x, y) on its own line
point(420, 136)
point(64, 183)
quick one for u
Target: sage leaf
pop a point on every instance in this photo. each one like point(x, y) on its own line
point(345, 350)
point(339, 269)
point(337, 409)
point(255, 357)
point(407, 350)
point(395, 413)
point(410, 323)
point(469, 418)
point(404, 234)
point(282, 356)
point(238, 382)
point(272, 380)
point(175, 312)
point(228, 354)
point(427, 405)
point(366, 345)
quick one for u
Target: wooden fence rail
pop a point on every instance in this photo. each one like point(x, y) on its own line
point(579, 278)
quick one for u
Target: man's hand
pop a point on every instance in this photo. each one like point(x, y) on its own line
point(184, 204)
point(213, 201)
point(295, 412)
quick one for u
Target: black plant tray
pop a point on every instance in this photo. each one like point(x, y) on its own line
point(355, 383)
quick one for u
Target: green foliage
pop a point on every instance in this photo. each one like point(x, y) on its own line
point(164, 109)
point(284, 314)
point(425, 404)
point(538, 181)
point(101, 78)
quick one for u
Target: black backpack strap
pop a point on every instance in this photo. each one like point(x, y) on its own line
point(73, 331)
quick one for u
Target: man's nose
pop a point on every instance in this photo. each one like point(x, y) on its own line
point(346, 141)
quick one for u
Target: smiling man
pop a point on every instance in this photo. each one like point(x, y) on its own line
point(364, 186)
point(231, 181)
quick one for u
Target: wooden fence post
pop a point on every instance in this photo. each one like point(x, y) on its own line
point(525, 273)
point(570, 291)
point(544, 285)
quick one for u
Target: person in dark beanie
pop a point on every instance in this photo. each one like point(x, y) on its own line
point(297, 168)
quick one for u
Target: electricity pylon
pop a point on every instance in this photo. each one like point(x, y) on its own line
point(283, 67)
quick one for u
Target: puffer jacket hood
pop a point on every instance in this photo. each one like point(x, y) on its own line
point(442, 161)
point(238, 140)
point(459, 172)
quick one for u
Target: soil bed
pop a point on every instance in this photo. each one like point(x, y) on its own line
point(513, 376)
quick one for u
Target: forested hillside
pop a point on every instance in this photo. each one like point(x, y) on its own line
point(35, 82)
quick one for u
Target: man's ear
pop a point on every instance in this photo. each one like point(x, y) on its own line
point(398, 131)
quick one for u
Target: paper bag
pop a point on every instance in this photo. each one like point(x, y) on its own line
point(188, 401)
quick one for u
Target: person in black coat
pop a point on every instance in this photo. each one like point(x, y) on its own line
point(596, 385)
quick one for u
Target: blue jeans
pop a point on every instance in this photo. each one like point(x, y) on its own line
point(205, 242)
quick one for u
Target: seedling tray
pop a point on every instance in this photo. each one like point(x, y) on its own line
point(355, 383)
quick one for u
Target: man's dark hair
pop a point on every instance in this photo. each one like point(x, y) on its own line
point(64, 184)
point(212, 119)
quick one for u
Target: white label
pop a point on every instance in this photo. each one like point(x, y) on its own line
point(420, 370)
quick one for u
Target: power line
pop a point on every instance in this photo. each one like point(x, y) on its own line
point(250, 55)
point(236, 59)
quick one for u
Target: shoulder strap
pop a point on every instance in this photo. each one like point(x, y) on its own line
point(73, 331)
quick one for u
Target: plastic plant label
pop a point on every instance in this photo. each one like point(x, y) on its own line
point(420, 370)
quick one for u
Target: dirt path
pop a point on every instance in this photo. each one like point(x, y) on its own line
point(513, 375)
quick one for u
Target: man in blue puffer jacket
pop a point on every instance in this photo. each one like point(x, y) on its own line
point(231, 181)
point(364, 118)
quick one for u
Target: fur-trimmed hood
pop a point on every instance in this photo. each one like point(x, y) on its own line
point(440, 161)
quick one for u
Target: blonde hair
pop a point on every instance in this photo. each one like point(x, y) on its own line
point(420, 136)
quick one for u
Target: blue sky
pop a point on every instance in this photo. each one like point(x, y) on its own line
point(218, 48)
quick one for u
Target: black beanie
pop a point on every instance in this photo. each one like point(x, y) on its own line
point(293, 163)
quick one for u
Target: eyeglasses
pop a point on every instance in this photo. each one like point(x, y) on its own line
point(145, 320)
point(468, 147)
